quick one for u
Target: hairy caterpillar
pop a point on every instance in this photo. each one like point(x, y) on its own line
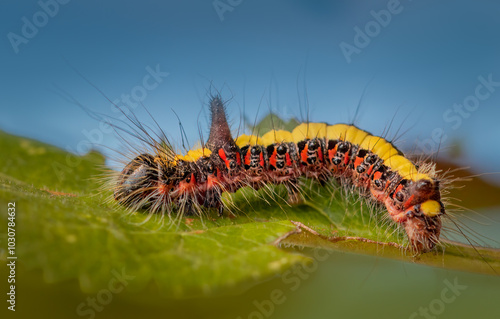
point(166, 181)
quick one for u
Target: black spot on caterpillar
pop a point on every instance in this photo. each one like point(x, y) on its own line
point(168, 182)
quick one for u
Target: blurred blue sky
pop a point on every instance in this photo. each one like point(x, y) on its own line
point(428, 57)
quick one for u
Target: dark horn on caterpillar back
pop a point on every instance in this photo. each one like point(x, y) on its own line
point(220, 134)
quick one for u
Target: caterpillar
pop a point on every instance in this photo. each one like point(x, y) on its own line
point(165, 181)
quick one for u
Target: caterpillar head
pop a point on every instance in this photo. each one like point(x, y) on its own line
point(423, 215)
point(423, 224)
point(417, 206)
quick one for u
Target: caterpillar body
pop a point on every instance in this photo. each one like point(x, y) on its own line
point(165, 181)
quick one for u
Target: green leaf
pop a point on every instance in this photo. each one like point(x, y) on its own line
point(272, 121)
point(71, 230)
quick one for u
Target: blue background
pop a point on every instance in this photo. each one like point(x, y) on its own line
point(428, 57)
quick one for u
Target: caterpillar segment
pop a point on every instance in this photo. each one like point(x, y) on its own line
point(314, 150)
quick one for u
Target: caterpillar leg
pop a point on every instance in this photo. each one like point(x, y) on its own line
point(213, 199)
point(294, 195)
point(221, 210)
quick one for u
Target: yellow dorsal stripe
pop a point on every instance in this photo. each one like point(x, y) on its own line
point(244, 140)
point(405, 168)
point(355, 135)
point(276, 136)
point(373, 144)
point(308, 131)
point(194, 155)
point(397, 161)
point(336, 132)
point(387, 150)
